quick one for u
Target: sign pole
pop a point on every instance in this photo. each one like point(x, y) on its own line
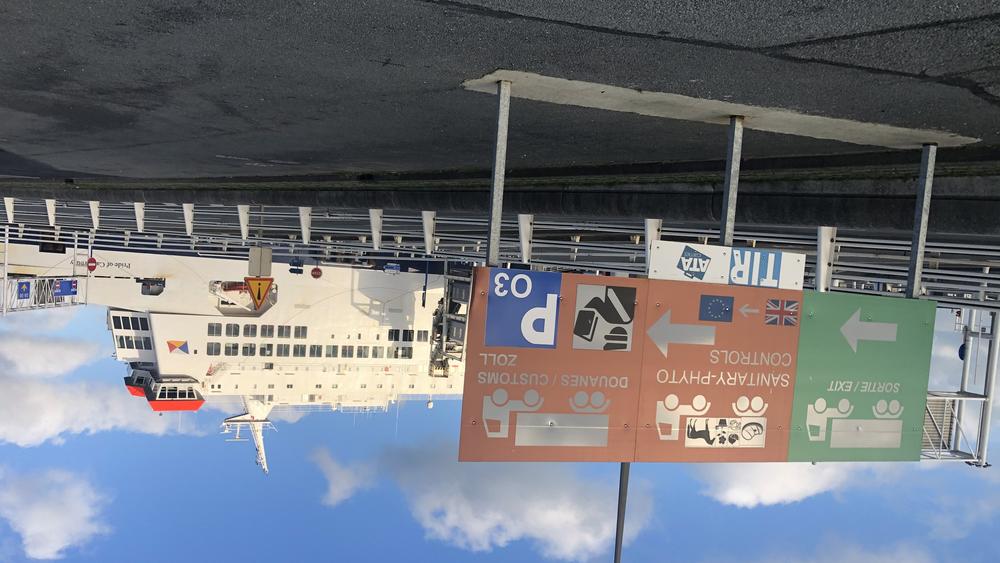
point(622, 498)
point(499, 171)
point(992, 358)
point(732, 180)
point(921, 213)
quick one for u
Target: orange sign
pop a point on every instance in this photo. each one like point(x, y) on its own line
point(567, 367)
point(259, 288)
point(532, 401)
point(718, 373)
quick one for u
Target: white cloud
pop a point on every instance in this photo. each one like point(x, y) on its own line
point(956, 518)
point(754, 484)
point(479, 506)
point(342, 481)
point(33, 412)
point(40, 320)
point(44, 356)
point(51, 511)
point(843, 552)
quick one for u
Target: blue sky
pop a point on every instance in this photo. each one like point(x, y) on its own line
point(88, 473)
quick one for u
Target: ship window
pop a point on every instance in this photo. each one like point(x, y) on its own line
point(299, 350)
point(284, 331)
point(406, 352)
point(143, 323)
point(379, 386)
point(270, 386)
point(232, 349)
point(315, 351)
point(147, 344)
point(301, 331)
point(422, 335)
point(121, 342)
point(267, 331)
point(318, 386)
point(249, 349)
point(331, 351)
point(250, 331)
point(347, 351)
point(283, 350)
point(359, 336)
point(289, 386)
point(393, 335)
point(267, 350)
point(129, 343)
point(215, 329)
point(378, 352)
point(117, 321)
point(232, 329)
point(171, 392)
point(407, 336)
point(363, 351)
point(393, 352)
point(364, 386)
point(213, 348)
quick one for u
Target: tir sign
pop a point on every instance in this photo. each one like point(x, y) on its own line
point(522, 308)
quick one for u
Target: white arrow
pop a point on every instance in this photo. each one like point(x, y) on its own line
point(662, 333)
point(855, 329)
point(746, 310)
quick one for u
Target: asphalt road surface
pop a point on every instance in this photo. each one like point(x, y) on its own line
point(250, 88)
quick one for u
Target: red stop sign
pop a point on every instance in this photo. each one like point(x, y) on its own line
point(316, 272)
point(91, 264)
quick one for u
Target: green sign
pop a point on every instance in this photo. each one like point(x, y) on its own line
point(861, 386)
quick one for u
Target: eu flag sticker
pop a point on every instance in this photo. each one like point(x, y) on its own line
point(717, 308)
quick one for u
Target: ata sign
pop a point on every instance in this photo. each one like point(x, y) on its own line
point(567, 367)
point(751, 267)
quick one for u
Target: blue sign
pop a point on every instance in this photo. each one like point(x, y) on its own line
point(758, 268)
point(717, 308)
point(522, 308)
point(693, 264)
point(24, 290)
point(64, 288)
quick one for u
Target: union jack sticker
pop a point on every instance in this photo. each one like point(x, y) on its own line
point(781, 312)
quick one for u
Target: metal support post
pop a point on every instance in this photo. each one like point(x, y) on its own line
point(653, 227)
point(732, 180)
point(428, 218)
point(525, 231)
point(244, 213)
point(305, 223)
point(966, 371)
point(499, 171)
point(6, 250)
point(188, 218)
point(95, 214)
point(920, 215)
point(991, 375)
point(50, 210)
point(622, 498)
point(375, 222)
point(825, 237)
